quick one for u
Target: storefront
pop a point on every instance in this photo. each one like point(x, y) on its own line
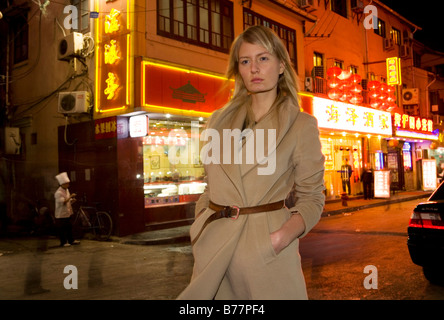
point(411, 156)
point(350, 134)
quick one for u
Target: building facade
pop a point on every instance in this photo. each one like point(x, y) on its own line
point(116, 94)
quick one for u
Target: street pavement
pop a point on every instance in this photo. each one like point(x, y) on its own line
point(153, 265)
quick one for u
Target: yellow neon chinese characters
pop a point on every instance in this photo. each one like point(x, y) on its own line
point(112, 86)
point(112, 23)
point(111, 54)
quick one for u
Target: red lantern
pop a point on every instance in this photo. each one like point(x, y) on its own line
point(391, 98)
point(383, 106)
point(345, 96)
point(355, 78)
point(390, 89)
point(334, 94)
point(345, 74)
point(391, 106)
point(356, 98)
point(333, 83)
point(356, 88)
point(373, 85)
point(383, 87)
point(374, 103)
point(382, 94)
point(374, 94)
point(345, 84)
point(334, 71)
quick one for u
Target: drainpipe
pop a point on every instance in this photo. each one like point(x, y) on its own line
point(427, 92)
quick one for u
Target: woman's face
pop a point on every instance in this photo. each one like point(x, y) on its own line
point(258, 68)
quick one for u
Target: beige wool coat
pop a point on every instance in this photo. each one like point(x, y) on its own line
point(234, 259)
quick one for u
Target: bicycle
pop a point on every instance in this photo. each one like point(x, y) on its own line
point(88, 218)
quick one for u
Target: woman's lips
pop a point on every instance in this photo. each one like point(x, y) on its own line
point(256, 80)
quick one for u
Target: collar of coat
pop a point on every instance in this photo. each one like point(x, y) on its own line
point(233, 117)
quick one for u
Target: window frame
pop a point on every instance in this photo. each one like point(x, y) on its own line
point(286, 34)
point(196, 32)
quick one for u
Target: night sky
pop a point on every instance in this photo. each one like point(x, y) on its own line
point(425, 14)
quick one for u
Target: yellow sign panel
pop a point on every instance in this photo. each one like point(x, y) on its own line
point(393, 71)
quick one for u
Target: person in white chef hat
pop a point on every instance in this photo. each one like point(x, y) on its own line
point(63, 210)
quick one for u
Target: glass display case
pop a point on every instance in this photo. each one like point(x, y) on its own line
point(173, 173)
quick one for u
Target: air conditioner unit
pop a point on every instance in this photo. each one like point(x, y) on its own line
point(70, 46)
point(410, 96)
point(404, 51)
point(308, 84)
point(74, 102)
point(388, 43)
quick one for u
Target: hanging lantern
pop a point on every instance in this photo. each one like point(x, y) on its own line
point(392, 106)
point(433, 145)
point(391, 97)
point(374, 94)
point(356, 88)
point(333, 83)
point(382, 94)
point(374, 103)
point(383, 87)
point(384, 105)
point(345, 74)
point(356, 98)
point(393, 143)
point(346, 94)
point(334, 94)
point(390, 89)
point(355, 78)
point(334, 72)
point(373, 85)
point(345, 84)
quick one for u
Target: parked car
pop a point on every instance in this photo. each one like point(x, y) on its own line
point(426, 236)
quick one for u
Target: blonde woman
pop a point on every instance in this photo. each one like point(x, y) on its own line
point(245, 241)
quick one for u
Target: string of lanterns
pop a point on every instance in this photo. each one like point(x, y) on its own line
point(346, 87)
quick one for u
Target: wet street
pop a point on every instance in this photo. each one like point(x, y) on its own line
point(335, 255)
point(339, 249)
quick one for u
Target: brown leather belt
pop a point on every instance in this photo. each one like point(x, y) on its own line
point(233, 212)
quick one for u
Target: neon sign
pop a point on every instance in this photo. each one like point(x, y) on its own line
point(407, 122)
point(113, 56)
point(343, 116)
point(393, 71)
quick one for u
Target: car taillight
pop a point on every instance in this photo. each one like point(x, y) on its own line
point(426, 220)
point(415, 220)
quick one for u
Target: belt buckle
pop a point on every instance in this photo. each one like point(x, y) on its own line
point(229, 209)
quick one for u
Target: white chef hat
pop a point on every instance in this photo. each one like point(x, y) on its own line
point(62, 178)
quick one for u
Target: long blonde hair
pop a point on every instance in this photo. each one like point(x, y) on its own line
point(288, 82)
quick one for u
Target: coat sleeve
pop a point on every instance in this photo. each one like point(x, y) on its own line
point(309, 174)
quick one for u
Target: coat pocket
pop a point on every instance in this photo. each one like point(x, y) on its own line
point(263, 239)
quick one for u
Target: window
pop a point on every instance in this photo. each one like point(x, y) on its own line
point(20, 31)
point(206, 23)
point(83, 18)
point(318, 60)
point(381, 28)
point(353, 69)
point(287, 35)
point(396, 36)
point(338, 63)
point(340, 7)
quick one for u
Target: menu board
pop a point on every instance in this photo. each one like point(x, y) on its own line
point(382, 183)
point(428, 175)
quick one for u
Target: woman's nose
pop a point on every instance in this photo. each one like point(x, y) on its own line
point(254, 67)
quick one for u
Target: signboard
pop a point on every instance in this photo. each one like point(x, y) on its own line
point(393, 71)
point(113, 56)
point(105, 128)
point(347, 117)
point(382, 183)
point(428, 175)
point(169, 87)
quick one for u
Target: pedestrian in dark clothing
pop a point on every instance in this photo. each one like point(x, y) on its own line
point(367, 182)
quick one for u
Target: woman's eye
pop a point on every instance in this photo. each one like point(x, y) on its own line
point(263, 58)
point(243, 61)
